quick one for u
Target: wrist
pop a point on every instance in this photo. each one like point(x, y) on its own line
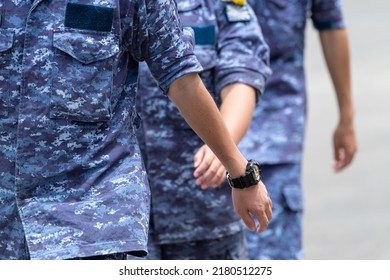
point(235, 165)
point(346, 116)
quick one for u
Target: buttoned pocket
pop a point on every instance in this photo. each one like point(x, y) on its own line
point(82, 78)
point(6, 43)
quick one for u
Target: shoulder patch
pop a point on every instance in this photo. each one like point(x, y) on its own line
point(235, 13)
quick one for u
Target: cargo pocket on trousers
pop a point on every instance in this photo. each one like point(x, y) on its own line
point(82, 78)
point(293, 198)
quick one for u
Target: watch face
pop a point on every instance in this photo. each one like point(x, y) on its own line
point(256, 172)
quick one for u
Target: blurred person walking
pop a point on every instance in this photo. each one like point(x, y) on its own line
point(276, 134)
point(189, 222)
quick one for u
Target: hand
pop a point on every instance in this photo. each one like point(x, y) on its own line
point(256, 201)
point(344, 143)
point(209, 172)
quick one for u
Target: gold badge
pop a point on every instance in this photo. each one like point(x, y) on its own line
point(239, 2)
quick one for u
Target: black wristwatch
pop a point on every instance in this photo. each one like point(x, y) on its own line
point(251, 177)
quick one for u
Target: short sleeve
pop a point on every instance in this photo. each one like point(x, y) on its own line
point(327, 14)
point(168, 48)
point(243, 52)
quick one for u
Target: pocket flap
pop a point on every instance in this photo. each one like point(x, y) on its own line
point(86, 47)
point(293, 197)
point(6, 40)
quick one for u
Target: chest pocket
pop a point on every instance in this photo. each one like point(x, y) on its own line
point(6, 43)
point(82, 78)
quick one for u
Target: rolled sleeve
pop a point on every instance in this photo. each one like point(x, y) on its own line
point(170, 47)
point(243, 53)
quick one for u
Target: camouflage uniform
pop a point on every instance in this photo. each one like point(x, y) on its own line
point(230, 47)
point(72, 181)
point(276, 135)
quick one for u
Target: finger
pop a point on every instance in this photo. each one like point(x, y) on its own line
point(339, 161)
point(202, 167)
point(215, 183)
point(349, 155)
point(263, 222)
point(268, 211)
point(248, 220)
point(345, 158)
point(218, 178)
point(199, 156)
point(210, 176)
point(260, 213)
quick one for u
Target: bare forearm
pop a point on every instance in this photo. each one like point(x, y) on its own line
point(336, 52)
point(238, 104)
point(199, 110)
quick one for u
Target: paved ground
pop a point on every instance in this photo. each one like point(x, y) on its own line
point(347, 214)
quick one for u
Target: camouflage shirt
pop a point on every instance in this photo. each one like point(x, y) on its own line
point(72, 181)
point(231, 49)
point(277, 131)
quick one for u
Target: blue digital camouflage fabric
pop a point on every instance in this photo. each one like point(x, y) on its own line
point(231, 247)
point(276, 134)
point(72, 179)
point(231, 49)
point(282, 240)
point(112, 257)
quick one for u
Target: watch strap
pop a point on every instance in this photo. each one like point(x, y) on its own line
point(249, 179)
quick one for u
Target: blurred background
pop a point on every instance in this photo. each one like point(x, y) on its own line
point(348, 214)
